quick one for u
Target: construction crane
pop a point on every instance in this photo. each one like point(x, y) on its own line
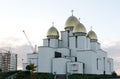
point(29, 42)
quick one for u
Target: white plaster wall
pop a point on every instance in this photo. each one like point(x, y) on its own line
point(33, 59)
point(93, 45)
point(63, 51)
point(53, 42)
point(102, 54)
point(70, 33)
point(45, 55)
point(99, 66)
point(59, 65)
point(75, 68)
point(72, 43)
point(64, 38)
point(88, 46)
point(81, 42)
point(60, 43)
point(89, 59)
point(45, 42)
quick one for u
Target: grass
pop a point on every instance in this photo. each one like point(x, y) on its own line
point(28, 75)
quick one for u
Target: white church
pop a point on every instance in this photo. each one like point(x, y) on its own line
point(76, 52)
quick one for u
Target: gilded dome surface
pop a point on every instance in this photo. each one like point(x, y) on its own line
point(92, 35)
point(72, 21)
point(53, 32)
point(79, 28)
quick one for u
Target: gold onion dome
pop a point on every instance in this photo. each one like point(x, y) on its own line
point(79, 28)
point(92, 35)
point(52, 32)
point(72, 21)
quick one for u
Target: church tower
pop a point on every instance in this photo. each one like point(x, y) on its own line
point(52, 37)
point(93, 40)
point(70, 23)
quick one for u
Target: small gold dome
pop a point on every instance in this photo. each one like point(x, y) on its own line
point(79, 28)
point(92, 35)
point(72, 21)
point(53, 32)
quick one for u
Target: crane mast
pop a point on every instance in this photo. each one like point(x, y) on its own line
point(28, 41)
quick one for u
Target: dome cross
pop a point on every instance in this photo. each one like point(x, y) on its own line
point(72, 12)
point(91, 28)
point(52, 23)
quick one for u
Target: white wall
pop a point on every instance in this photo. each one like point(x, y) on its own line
point(64, 38)
point(32, 58)
point(63, 51)
point(89, 59)
point(74, 68)
point(72, 43)
point(60, 43)
point(81, 40)
point(88, 46)
point(45, 42)
point(95, 45)
point(59, 65)
point(45, 55)
point(53, 42)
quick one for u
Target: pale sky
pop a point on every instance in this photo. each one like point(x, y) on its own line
point(36, 17)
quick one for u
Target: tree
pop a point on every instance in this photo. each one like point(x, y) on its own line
point(114, 74)
point(31, 68)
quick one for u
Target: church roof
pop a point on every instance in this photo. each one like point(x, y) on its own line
point(72, 21)
point(53, 32)
point(79, 28)
point(92, 35)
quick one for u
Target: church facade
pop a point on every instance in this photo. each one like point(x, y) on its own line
point(76, 52)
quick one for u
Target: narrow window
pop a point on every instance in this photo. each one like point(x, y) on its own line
point(75, 59)
point(76, 41)
point(97, 63)
point(48, 42)
point(68, 38)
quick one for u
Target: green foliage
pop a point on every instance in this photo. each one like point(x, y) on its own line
point(114, 74)
point(90, 76)
point(44, 76)
point(31, 67)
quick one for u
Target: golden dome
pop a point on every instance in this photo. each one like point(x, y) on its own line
point(72, 21)
point(92, 35)
point(79, 28)
point(53, 32)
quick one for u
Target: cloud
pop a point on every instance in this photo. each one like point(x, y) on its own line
point(11, 42)
point(114, 52)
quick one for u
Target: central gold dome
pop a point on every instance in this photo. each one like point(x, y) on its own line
point(72, 21)
point(79, 28)
point(53, 32)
